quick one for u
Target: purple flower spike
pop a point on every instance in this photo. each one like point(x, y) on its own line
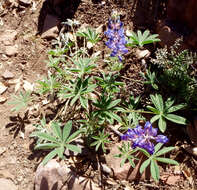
point(144, 138)
point(116, 38)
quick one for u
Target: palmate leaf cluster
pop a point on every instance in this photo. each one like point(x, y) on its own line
point(140, 39)
point(56, 139)
point(163, 111)
point(21, 101)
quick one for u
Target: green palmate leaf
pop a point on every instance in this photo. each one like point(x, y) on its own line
point(154, 169)
point(67, 130)
point(168, 103)
point(154, 110)
point(73, 148)
point(155, 101)
point(46, 146)
point(144, 151)
point(167, 160)
point(56, 129)
point(73, 136)
point(70, 95)
point(84, 102)
point(164, 151)
point(45, 136)
point(176, 108)
point(60, 151)
point(50, 156)
point(162, 124)
point(113, 115)
point(74, 99)
point(131, 162)
point(159, 101)
point(144, 165)
point(155, 118)
point(123, 161)
point(113, 104)
point(176, 119)
point(157, 147)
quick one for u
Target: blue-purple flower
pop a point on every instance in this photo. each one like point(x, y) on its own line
point(116, 38)
point(144, 137)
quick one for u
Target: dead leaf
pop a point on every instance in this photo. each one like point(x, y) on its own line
point(177, 170)
point(188, 175)
point(3, 88)
point(18, 83)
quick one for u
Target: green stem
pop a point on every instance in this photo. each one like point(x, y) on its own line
point(139, 111)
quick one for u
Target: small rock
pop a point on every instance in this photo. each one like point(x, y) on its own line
point(57, 176)
point(6, 174)
point(11, 50)
point(50, 29)
point(6, 184)
point(140, 54)
point(8, 75)
point(191, 150)
point(3, 88)
point(106, 169)
point(8, 37)
point(173, 179)
point(50, 175)
point(25, 2)
point(2, 99)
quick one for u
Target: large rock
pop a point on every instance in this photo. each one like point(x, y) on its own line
point(11, 50)
point(50, 29)
point(8, 37)
point(7, 75)
point(6, 184)
point(59, 177)
point(183, 15)
point(126, 172)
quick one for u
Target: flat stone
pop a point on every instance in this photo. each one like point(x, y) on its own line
point(50, 29)
point(11, 50)
point(140, 54)
point(7, 75)
point(6, 184)
point(8, 37)
point(25, 2)
point(3, 99)
point(3, 88)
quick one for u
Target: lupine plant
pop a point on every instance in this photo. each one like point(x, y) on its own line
point(94, 97)
point(116, 38)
